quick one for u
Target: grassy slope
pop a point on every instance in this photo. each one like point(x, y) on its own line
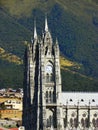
point(67, 26)
point(79, 39)
point(11, 49)
point(12, 34)
point(75, 82)
point(72, 80)
point(10, 57)
point(75, 23)
point(11, 75)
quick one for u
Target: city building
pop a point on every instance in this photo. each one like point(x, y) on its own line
point(11, 108)
point(13, 104)
point(45, 106)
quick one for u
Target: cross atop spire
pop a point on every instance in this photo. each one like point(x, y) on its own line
point(46, 24)
point(35, 32)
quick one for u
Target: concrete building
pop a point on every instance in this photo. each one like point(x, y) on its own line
point(11, 108)
point(13, 104)
point(45, 106)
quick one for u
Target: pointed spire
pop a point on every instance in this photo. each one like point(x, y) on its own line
point(56, 41)
point(35, 32)
point(46, 24)
point(42, 34)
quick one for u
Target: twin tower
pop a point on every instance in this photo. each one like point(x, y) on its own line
point(42, 84)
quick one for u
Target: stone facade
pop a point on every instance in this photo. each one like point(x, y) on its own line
point(45, 107)
point(80, 110)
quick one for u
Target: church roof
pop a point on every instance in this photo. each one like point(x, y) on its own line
point(79, 98)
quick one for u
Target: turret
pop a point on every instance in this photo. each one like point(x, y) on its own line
point(56, 48)
point(44, 82)
point(35, 32)
point(46, 25)
point(35, 41)
point(47, 37)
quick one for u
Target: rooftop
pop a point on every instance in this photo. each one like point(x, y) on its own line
point(79, 98)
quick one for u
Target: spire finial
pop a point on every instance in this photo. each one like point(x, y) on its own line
point(35, 32)
point(46, 24)
point(56, 41)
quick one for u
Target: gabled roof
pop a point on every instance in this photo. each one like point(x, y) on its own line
point(79, 98)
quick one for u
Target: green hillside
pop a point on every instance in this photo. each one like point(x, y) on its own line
point(11, 75)
point(74, 23)
point(12, 34)
point(76, 26)
point(73, 81)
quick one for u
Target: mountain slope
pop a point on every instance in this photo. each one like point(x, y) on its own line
point(10, 57)
point(75, 24)
point(12, 48)
point(11, 74)
point(12, 34)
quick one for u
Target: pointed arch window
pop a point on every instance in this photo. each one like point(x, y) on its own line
point(97, 122)
point(75, 122)
point(46, 96)
point(51, 77)
point(50, 120)
point(86, 122)
point(48, 123)
point(49, 72)
point(47, 78)
point(46, 50)
point(50, 96)
point(82, 122)
point(71, 122)
point(94, 122)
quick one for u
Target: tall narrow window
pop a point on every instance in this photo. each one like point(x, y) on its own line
point(54, 98)
point(49, 71)
point(47, 78)
point(50, 96)
point(97, 122)
point(86, 122)
point(50, 120)
point(94, 122)
point(48, 123)
point(71, 122)
point(75, 122)
point(82, 122)
point(46, 96)
point(51, 77)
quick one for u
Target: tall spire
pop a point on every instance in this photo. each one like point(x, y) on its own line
point(56, 41)
point(35, 32)
point(46, 24)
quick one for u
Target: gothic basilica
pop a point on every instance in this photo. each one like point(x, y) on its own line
point(45, 106)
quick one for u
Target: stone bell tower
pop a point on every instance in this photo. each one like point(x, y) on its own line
point(41, 106)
